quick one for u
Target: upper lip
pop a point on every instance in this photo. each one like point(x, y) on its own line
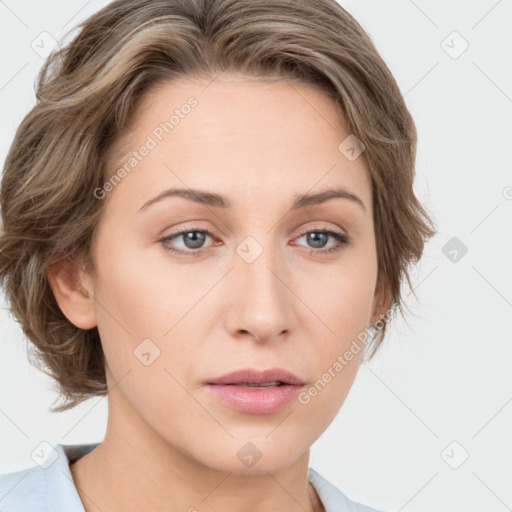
point(254, 376)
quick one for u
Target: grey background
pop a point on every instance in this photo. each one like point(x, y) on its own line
point(441, 388)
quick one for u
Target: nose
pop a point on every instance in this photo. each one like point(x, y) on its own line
point(261, 302)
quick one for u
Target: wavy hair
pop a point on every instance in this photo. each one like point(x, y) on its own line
point(87, 93)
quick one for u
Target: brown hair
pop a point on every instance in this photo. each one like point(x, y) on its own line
point(87, 93)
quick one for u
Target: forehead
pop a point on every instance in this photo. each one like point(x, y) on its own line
point(241, 136)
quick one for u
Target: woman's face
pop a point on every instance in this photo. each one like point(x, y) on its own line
point(254, 292)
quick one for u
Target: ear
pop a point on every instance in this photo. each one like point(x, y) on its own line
point(381, 302)
point(73, 291)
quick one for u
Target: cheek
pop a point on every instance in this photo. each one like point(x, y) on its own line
point(343, 311)
point(141, 307)
point(346, 310)
point(138, 307)
point(144, 295)
point(344, 298)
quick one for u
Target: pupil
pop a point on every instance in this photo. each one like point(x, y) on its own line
point(318, 237)
point(196, 241)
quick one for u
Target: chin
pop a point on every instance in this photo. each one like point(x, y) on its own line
point(256, 455)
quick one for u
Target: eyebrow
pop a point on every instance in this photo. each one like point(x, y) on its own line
point(218, 201)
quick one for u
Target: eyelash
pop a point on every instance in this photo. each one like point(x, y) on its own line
point(341, 241)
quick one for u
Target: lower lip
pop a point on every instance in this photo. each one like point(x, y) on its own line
point(255, 400)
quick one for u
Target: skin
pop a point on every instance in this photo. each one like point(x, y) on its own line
point(169, 444)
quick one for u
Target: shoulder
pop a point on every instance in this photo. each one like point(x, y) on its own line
point(46, 487)
point(332, 498)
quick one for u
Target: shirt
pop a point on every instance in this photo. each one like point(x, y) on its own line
point(49, 486)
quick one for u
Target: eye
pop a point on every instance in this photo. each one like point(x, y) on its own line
point(194, 239)
point(319, 238)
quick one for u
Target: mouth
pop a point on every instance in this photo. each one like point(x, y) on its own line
point(253, 377)
point(263, 385)
point(256, 392)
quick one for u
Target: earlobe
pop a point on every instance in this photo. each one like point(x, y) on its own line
point(73, 292)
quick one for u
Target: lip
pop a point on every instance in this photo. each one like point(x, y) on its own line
point(254, 376)
point(268, 400)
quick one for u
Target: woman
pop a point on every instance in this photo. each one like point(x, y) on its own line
point(274, 133)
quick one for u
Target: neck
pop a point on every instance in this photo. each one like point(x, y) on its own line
point(135, 469)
